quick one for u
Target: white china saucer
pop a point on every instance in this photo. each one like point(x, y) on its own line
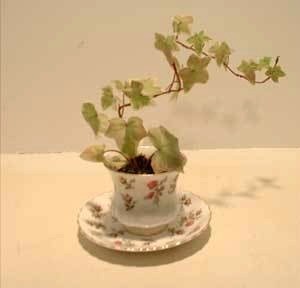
point(98, 225)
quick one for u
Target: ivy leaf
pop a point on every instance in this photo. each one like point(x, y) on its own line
point(149, 87)
point(248, 69)
point(181, 24)
point(103, 122)
point(119, 85)
point(168, 156)
point(90, 115)
point(198, 41)
point(93, 153)
point(116, 130)
point(264, 63)
point(137, 98)
point(275, 73)
point(127, 135)
point(135, 132)
point(255, 66)
point(221, 52)
point(98, 122)
point(195, 72)
point(115, 162)
point(166, 44)
point(195, 62)
point(107, 98)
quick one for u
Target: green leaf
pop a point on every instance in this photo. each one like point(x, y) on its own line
point(181, 24)
point(135, 132)
point(115, 162)
point(264, 63)
point(93, 153)
point(254, 66)
point(149, 87)
point(119, 85)
point(98, 122)
point(195, 72)
point(137, 98)
point(166, 44)
point(127, 135)
point(190, 77)
point(103, 122)
point(116, 130)
point(90, 115)
point(196, 63)
point(107, 98)
point(168, 156)
point(198, 41)
point(275, 73)
point(221, 52)
point(248, 68)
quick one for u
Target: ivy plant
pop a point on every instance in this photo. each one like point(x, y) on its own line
point(140, 93)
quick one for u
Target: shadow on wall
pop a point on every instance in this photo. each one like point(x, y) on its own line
point(146, 259)
point(217, 112)
point(251, 191)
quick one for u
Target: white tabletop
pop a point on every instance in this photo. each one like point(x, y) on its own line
point(253, 239)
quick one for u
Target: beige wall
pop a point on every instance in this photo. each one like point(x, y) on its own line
point(57, 54)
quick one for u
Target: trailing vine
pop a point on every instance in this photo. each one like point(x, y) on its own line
point(140, 93)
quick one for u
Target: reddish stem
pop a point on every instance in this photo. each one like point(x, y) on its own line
point(227, 65)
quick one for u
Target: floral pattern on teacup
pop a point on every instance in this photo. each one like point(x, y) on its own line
point(156, 190)
point(172, 186)
point(152, 184)
point(128, 183)
point(128, 201)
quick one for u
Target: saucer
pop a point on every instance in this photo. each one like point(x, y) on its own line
point(98, 225)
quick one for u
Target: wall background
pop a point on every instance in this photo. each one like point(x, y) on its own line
point(57, 54)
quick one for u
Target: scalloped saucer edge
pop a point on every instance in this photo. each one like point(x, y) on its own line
point(98, 225)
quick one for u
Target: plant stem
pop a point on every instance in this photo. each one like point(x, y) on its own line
point(184, 45)
point(119, 111)
point(227, 65)
point(176, 78)
point(121, 107)
point(170, 86)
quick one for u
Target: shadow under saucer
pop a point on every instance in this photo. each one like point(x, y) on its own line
point(155, 258)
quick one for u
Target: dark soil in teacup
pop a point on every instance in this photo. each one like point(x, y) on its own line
point(138, 165)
